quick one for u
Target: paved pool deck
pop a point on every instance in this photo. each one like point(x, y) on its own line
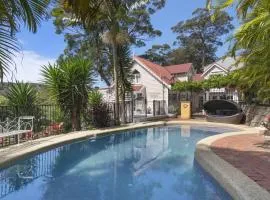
point(237, 177)
point(248, 153)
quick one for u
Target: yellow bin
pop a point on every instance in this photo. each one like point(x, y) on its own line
point(185, 109)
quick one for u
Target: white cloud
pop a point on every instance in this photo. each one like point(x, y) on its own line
point(27, 67)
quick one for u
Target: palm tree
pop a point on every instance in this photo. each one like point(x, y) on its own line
point(14, 13)
point(68, 82)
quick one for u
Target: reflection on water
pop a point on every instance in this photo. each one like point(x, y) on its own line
point(153, 163)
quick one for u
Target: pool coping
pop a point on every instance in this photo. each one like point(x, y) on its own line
point(237, 184)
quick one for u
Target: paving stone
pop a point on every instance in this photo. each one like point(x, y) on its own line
point(248, 154)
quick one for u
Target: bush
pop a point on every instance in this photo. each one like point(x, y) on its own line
point(22, 98)
point(99, 110)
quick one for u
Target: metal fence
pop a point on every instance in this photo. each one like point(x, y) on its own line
point(46, 117)
point(49, 120)
point(143, 109)
point(159, 108)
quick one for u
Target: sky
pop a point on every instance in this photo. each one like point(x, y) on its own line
point(45, 46)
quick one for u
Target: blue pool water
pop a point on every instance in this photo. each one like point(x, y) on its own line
point(153, 163)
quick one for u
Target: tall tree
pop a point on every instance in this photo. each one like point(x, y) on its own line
point(68, 82)
point(158, 54)
point(14, 13)
point(200, 36)
point(120, 22)
point(165, 55)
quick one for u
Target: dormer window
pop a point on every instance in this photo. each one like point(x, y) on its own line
point(136, 76)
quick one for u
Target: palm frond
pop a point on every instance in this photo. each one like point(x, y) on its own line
point(13, 13)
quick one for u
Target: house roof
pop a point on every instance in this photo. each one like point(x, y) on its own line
point(158, 70)
point(137, 88)
point(227, 64)
point(179, 69)
point(197, 77)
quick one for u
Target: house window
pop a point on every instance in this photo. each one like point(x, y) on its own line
point(136, 76)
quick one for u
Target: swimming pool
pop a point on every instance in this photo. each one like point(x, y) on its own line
point(151, 163)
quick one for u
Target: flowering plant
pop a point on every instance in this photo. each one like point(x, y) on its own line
point(266, 122)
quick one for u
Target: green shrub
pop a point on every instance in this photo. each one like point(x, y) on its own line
point(99, 110)
point(22, 97)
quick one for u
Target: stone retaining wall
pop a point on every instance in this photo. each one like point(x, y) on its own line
point(255, 114)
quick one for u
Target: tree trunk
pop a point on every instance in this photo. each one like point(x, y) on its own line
point(73, 118)
point(123, 99)
point(78, 119)
point(115, 73)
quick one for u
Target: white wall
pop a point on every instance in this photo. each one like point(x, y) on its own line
point(214, 71)
point(155, 89)
point(181, 77)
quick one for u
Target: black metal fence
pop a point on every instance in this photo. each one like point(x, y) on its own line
point(159, 107)
point(47, 118)
point(143, 109)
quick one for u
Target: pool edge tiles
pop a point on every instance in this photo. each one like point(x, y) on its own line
point(237, 184)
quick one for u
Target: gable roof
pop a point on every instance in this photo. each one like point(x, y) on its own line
point(159, 71)
point(179, 69)
point(227, 64)
point(212, 66)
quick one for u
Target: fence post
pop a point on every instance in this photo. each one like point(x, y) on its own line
point(159, 108)
point(145, 107)
point(132, 107)
point(154, 108)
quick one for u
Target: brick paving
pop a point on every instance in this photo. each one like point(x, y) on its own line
point(248, 153)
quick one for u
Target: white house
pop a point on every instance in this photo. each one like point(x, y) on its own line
point(152, 82)
point(222, 67)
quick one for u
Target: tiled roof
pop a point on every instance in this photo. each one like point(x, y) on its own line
point(136, 88)
point(158, 70)
point(178, 69)
point(197, 77)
